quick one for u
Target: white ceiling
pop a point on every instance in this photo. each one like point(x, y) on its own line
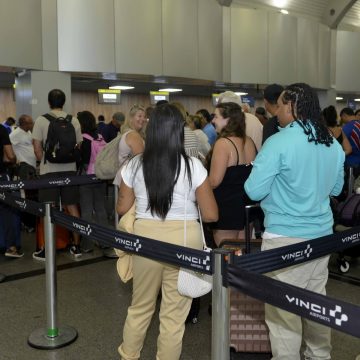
point(314, 9)
point(353, 16)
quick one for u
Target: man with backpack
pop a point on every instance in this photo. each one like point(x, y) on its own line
point(56, 139)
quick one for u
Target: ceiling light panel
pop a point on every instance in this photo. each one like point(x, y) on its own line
point(121, 87)
point(171, 90)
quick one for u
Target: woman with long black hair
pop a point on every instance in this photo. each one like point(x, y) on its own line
point(165, 184)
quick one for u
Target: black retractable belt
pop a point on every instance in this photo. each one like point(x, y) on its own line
point(334, 313)
point(28, 206)
point(198, 260)
point(298, 253)
point(49, 182)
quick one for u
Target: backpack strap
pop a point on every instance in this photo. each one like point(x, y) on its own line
point(87, 136)
point(68, 118)
point(49, 117)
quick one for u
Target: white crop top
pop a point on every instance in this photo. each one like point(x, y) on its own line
point(135, 180)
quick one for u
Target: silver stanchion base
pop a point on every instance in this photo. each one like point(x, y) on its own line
point(2, 277)
point(39, 339)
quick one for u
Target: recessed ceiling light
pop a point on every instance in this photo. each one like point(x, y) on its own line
point(356, 99)
point(280, 3)
point(170, 90)
point(339, 98)
point(283, 11)
point(241, 93)
point(121, 87)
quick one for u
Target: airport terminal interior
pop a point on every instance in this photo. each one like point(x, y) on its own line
point(107, 55)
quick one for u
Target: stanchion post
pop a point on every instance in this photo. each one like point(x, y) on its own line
point(52, 337)
point(351, 181)
point(220, 344)
point(116, 194)
point(50, 273)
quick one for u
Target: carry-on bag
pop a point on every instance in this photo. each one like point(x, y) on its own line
point(248, 330)
point(62, 235)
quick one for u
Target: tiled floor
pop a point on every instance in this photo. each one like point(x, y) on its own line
point(93, 300)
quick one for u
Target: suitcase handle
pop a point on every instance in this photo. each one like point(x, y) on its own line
point(248, 210)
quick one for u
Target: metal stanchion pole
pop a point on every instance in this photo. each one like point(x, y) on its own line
point(220, 344)
point(52, 337)
point(116, 194)
point(351, 180)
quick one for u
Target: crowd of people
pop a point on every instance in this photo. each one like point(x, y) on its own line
point(176, 167)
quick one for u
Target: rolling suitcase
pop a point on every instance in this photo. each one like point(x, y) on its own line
point(248, 331)
point(62, 235)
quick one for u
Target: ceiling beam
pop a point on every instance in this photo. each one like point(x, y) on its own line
point(224, 2)
point(335, 12)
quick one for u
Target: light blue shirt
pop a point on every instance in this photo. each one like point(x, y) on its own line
point(210, 132)
point(293, 178)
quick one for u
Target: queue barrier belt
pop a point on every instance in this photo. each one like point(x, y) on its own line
point(29, 206)
point(49, 182)
point(275, 259)
point(198, 260)
point(322, 309)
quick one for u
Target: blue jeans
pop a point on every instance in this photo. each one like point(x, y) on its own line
point(10, 226)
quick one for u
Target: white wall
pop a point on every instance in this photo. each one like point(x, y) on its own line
point(20, 33)
point(268, 47)
point(347, 61)
point(86, 35)
point(249, 46)
point(138, 37)
point(282, 59)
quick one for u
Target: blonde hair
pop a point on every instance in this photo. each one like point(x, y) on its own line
point(127, 124)
point(196, 121)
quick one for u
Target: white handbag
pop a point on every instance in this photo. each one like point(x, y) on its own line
point(192, 283)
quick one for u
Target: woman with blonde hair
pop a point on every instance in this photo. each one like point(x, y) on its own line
point(132, 137)
point(136, 120)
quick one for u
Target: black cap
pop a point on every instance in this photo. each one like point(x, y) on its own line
point(272, 93)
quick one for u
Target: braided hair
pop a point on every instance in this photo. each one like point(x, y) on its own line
point(306, 111)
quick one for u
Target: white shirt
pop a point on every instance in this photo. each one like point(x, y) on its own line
point(254, 129)
point(181, 195)
point(23, 147)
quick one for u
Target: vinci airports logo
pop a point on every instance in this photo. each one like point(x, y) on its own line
point(352, 239)
point(195, 261)
point(318, 311)
point(65, 181)
point(82, 229)
point(21, 204)
point(15, 186)
point(129, 244)
point(298, 255)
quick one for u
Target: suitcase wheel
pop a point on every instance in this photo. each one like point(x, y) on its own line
point(344, 266)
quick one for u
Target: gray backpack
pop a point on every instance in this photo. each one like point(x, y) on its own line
point(107, 160)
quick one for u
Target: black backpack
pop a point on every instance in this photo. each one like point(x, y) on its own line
point(60, 143)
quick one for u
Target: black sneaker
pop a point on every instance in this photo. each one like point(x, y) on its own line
point(39, 255)
point(75, 251)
